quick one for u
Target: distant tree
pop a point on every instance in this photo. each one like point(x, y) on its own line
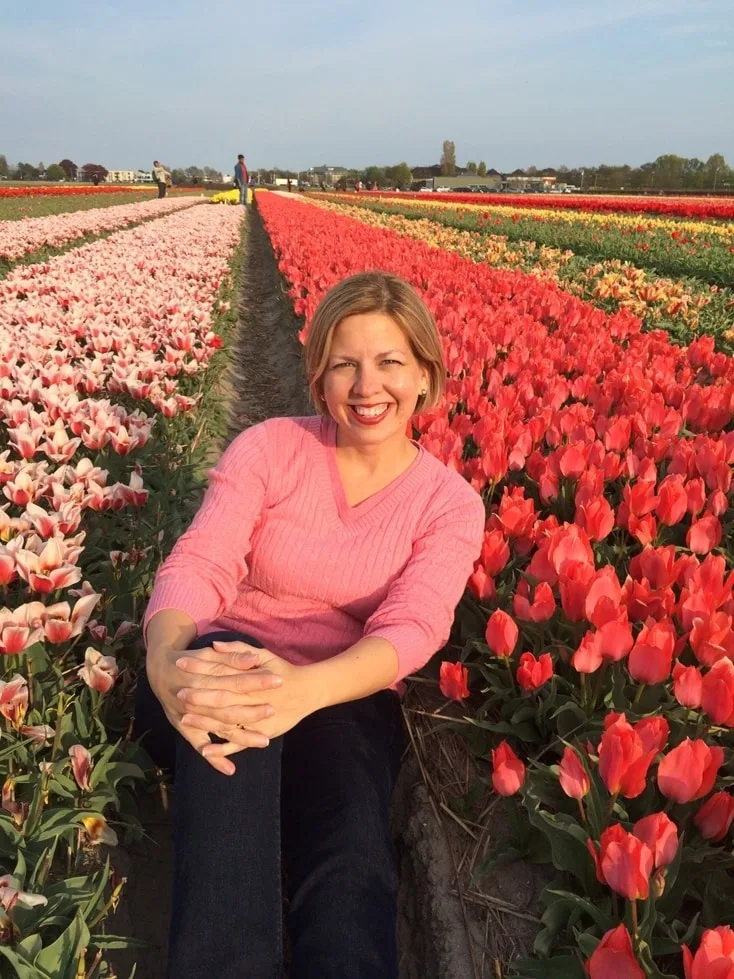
point(194, 172)
point(69, 169)
point(472, 167)
point(716, 171)
point(26, 171)
point(375, 177)
point(94, 172)
point(482, 169)
point(4, 169)
point(448, 159)
point(41, 167)
point(55, 172)
point(178, 176)
point(532, 171)
point(399, 176)
point(212, 175)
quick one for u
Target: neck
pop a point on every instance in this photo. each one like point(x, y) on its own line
point(373, 458)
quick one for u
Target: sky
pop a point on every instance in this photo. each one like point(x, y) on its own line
point(300, 83)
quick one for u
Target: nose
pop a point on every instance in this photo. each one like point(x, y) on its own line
point(366, 382)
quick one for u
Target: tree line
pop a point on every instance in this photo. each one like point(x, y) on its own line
point(66, 169)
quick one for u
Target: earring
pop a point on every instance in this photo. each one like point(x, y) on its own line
point(423, 394)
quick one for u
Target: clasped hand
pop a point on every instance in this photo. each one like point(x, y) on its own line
point(243, 694)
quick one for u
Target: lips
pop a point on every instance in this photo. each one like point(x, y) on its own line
point(369, 414)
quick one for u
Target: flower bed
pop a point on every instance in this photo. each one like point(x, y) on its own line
point(102, 359)
point(18, 238)
point(680, 248)
point(686, 207)
point(597, 633)
point(680, 306)
point(72, 190)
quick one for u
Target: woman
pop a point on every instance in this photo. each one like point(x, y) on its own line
point(323, 567)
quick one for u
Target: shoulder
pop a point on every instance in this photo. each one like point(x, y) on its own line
point(451, 497)
point(277, 438)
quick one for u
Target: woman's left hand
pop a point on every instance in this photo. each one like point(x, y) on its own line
point(214, 700)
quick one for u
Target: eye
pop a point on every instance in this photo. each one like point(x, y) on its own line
point(398, 362)
point(342, 363)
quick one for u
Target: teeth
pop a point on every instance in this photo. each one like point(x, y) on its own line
point(370, 412)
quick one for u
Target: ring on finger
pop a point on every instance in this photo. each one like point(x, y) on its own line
point(240, 727)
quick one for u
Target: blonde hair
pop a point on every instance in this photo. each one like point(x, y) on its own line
point(376, 292)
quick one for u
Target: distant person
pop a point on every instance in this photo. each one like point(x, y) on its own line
point(162, 177)
point(241, 178)
point(289, 184)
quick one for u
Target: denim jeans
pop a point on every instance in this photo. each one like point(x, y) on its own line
point(243, 194)
point(320, 796)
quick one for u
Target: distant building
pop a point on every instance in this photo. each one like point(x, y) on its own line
point(120, 177)
point(143, 177)
point(326, 175)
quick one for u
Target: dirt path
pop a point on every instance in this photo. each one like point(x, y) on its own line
point(267, 380)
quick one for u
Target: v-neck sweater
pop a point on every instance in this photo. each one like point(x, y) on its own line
point(276, 551)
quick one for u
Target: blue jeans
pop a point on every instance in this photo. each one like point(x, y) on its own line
point(243, 194)
point(320, 796)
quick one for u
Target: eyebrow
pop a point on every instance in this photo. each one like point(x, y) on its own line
point(379, 356)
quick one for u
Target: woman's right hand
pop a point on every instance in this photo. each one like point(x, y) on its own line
point(166, 680)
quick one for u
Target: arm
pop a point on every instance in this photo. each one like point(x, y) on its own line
point(202, 572)
point(404, 632)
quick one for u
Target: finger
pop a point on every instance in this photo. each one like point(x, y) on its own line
point(250, 717)
point(245, 659)
point(238, 649)
point(200, 667)
point(199, 741)
point(223, 751)
point(240, 680)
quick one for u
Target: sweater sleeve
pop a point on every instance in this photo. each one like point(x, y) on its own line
point(417, 614)
point(202, 572)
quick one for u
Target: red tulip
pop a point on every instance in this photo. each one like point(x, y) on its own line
point(704, 535)
point(532, 673)
point(604, 584)
point(501, 633)
point(595, 517)
point(660, 834)
point(672, 500)
point(625, 863)
point(715, 956)
point(717, 692)
point(687, 685)
point(542, 607)
point(481, 585)
point(652, 653)
point(711, 637)
point(495, 552)
point(573, 777)
point(588, 657)
point(715, 816)
point(508, 772)
point(573, 584)
point(689, 771)
point(624, 759)
point(613, 957)
point(569, 544)
point(452, 680)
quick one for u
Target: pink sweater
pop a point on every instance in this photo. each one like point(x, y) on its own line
point(275, 550)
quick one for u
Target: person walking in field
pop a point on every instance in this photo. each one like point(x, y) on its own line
point(241, 178)
point(162, 177)
point(322, 568)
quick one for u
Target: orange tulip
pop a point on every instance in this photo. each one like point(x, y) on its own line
point(452, 681)
point(574, 778)
point(689, 771)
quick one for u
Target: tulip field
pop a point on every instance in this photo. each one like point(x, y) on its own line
point(104, 354)
point(594, 650)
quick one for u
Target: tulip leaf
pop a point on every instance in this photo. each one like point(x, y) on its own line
point(568, 845)
point(61, 957)
point(597, 915)
point(23, 969)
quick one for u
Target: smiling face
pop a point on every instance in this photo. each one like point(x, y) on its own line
point(372, 380)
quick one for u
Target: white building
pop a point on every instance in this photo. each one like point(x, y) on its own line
point(120, 177)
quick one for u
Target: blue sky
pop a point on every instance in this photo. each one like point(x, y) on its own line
point(297, 83)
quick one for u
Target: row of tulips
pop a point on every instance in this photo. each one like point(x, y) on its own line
point(71, 190)
point(596, 637)
point(678, 248)
point(684, 207)
point(19, 238)
point(103, 356)
point(681, 306)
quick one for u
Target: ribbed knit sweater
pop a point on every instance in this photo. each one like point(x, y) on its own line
point(276, 551)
